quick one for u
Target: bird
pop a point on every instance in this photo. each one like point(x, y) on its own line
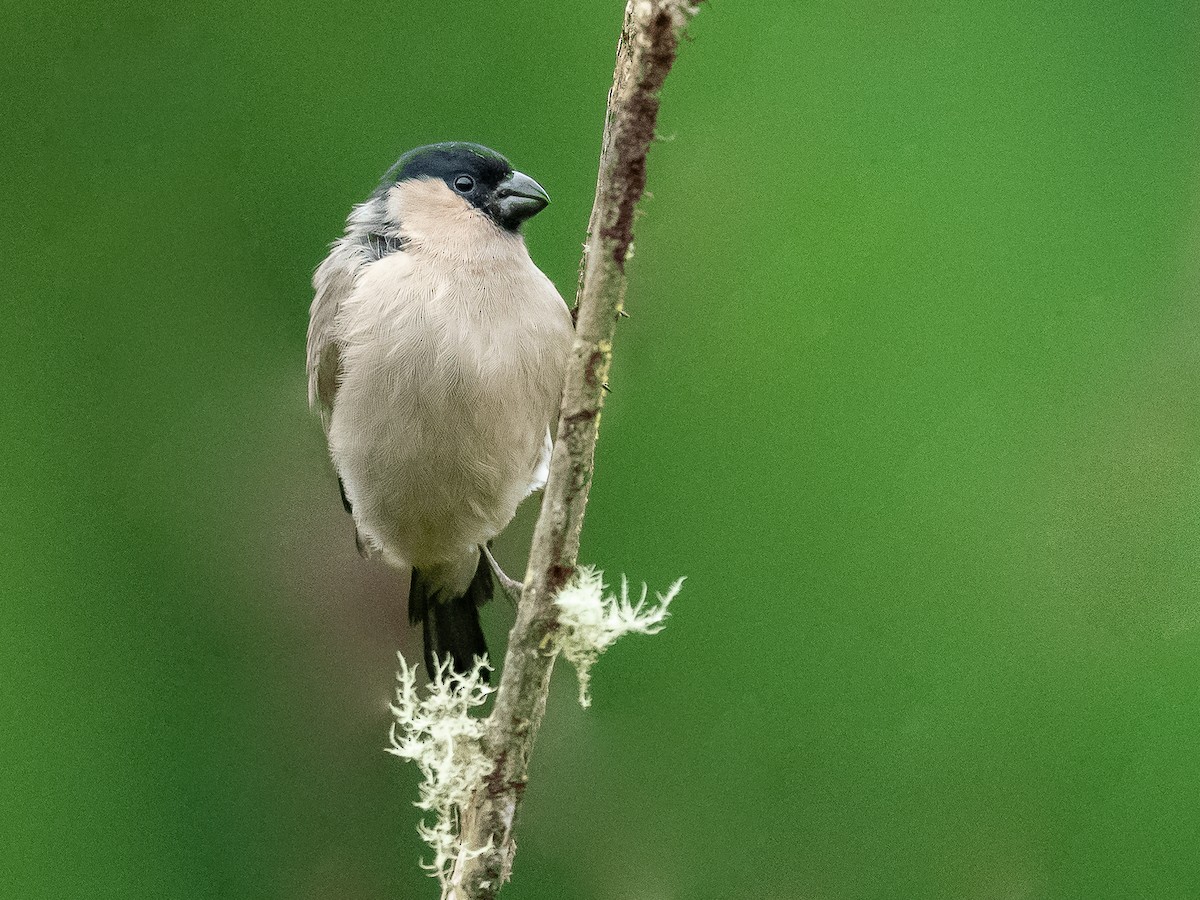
point(436, 355)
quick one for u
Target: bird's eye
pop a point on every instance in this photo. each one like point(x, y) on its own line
point(464, 183)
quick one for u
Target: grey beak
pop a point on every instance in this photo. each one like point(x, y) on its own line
point(517, 198)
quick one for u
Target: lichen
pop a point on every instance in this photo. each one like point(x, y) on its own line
point(590, 621)
point(439, 733)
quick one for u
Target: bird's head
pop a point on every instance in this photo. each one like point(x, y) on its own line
point(459, 177)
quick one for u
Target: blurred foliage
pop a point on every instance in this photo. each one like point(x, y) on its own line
point(909, 392)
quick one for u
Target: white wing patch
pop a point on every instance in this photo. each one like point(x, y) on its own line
point(542, 472)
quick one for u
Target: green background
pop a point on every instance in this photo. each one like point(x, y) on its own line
point(909, 393)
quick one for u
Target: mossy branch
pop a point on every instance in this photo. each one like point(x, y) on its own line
point(646, 50)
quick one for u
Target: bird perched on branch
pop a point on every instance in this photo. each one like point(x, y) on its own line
point(436, 353)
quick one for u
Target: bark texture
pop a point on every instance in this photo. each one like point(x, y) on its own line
point(649, 39)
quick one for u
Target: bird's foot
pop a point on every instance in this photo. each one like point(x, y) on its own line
point(510, 586)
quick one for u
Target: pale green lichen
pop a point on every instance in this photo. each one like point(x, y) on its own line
point(589, 621)
point(440, 735)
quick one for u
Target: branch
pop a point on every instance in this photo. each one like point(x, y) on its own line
point(649, 39)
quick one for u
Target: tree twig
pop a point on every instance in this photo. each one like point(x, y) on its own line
point(649, 39)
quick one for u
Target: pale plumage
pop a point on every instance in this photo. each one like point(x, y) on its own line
point(436, 352)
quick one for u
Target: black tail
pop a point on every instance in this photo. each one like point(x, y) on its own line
point(451, 627)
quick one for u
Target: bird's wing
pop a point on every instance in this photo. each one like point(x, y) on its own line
point(332, 282)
